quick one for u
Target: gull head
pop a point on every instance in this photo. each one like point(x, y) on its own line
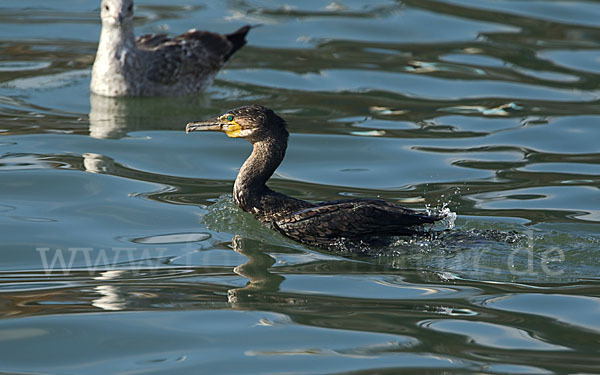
point(116, 13)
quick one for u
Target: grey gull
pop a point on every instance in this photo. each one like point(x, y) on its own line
point(154, 64)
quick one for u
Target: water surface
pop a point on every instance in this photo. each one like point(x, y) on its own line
point(122, 251)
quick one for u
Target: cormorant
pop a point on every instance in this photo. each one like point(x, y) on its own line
point(155, 64)
point(322, 224)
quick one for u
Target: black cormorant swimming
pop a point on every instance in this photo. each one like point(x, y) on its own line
point(322, 224)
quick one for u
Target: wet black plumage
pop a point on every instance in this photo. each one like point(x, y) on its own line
point(318, 224)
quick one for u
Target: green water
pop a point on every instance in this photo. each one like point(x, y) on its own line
point(123, 253)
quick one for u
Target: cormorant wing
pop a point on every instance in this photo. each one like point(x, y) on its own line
point(351, 219)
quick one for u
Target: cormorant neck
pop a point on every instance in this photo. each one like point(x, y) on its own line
point(250, 184)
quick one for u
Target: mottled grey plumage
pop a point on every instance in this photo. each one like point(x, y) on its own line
point(322, 224)
point(156, 64)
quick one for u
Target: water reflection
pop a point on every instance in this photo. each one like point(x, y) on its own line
point(257, 269)
point(459, 321)
point(110, 300)
point(499, 99)
point(110, 117)
point(96, 163)
point(114, 118)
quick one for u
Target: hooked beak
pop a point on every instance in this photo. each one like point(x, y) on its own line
point(211, 124)
point(231, 128)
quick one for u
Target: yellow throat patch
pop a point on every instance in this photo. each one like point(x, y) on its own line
point(234, 130)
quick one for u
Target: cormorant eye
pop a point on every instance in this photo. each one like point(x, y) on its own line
point(230, 118)
point(106, 7)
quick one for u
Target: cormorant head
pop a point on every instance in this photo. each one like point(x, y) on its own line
point(116, 13)
point(254, 123)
